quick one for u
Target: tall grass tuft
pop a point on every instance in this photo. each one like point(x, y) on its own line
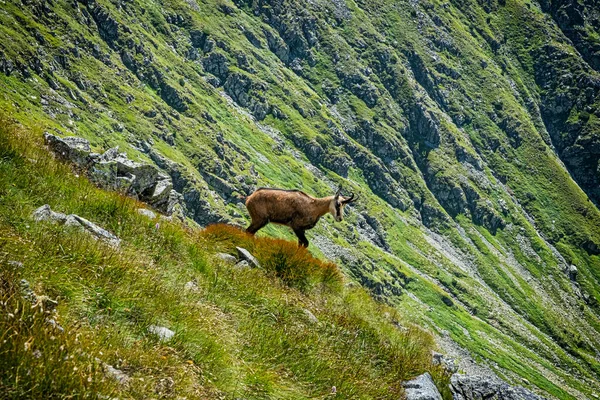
point(293, 264)
point(37, 359)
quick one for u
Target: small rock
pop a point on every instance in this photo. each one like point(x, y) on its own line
point(147, 213)
point(422, 388)
point(227, 258)
point(27, 293)
point(116, 374)
point(242, 264)
point(448, 363)
point(191, 286)
point(164, 334)
point(44, 213)
point(245, 255)
point(52, 322)
point(165, 386)
point(15, 264)
point(311, 317)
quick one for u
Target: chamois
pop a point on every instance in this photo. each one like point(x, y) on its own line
point(293, 208)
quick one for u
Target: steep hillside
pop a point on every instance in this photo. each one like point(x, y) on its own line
point(469, 129)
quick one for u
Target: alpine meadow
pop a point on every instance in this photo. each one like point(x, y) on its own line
point(450, 151)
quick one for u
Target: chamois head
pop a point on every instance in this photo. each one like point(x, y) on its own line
point(336, 206)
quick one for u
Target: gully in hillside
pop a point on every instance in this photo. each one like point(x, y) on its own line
point(293, 208)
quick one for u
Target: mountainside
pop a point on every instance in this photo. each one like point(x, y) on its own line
point(469, 130)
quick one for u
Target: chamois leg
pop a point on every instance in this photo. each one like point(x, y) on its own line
point(302, 240)
point(254, 227)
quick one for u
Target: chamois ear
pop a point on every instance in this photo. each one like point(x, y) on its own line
point(339, 192)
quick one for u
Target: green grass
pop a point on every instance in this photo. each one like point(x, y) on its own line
point(241, 332)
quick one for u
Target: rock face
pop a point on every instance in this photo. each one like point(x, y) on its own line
point(114, 171)
point(422, 388)
point(465, 387)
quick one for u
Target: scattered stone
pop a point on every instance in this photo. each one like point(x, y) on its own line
point(422, 388)
point(191, 286)
point(52, 322)
point(44, 213)
point(227, 258)
point(147, 213)
point(311, 317)
point(449, 364)
point(164, 334)
point(245, 255)
point(242, 264)
point(26, 291)
point(474, 387)
point(118, 375)
point(16, 264)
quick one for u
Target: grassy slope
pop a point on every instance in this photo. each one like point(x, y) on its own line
point(514, 314)
point(242, 332)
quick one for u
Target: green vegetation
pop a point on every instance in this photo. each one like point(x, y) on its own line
point(238, 332)
point(467, 128)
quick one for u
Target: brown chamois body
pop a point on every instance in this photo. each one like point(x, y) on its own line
point(292, 208)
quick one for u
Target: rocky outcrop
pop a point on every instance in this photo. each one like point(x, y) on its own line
point(247, 93)
point(114, 171)
point(466, 387)
point(570, 91)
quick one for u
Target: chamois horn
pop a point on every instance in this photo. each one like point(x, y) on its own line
point(350, 199)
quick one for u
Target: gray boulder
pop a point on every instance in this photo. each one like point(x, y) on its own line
point(245, 255)
point(115, 171)
point(74, 149)
point(474, 387)
point(422, 388)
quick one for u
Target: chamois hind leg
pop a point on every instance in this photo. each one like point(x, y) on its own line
point(302, 240)
point(255, 226)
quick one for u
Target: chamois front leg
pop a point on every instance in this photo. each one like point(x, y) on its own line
point(255, 226)
point(302, 240)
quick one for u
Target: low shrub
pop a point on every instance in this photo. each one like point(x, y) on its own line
point(285, 259)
